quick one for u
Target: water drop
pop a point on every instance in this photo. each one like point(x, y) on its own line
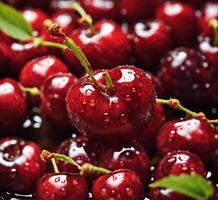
point(106, 117)
point(129, 192)
point(134, 90)
point(92, 103)
point(128, 98)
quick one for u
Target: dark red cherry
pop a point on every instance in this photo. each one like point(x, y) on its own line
point(126, 155)
point(207, 13)
point(116, 115)
point(35, 72)
point(79, 148)
point(53, 104)
point(179, 162)
point(151, 40)
point(13, 108)
point(62, 186)
point(180, 17)
point(121, 184)
point(15, 55)
point(166, 194)
point(132, 12)
point(101, 49)
point(148, 135)
point(192, 134)
point(20, 165)
point(184, 74)
point(67, 19)
point(101, 9)
point(35, 17)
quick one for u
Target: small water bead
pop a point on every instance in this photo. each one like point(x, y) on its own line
point(106, 117)
point(128, 98)
point(92, 103)
point(129, 192)
point(134, 90)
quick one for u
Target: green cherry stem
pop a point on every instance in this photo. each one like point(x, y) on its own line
point(56, 170)
point(109, 82)
point(214, 24)
point(84, 17)
point(32, 91)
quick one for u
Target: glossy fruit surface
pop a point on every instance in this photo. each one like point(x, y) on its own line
point(20, 165)
point(121, 113)
point(119, 185)
point(62, 186)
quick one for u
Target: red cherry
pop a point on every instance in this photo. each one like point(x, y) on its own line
point(100, 49)
point(20, 165)
point(188, 134)
point(80, 149)
point(132, 12)
point(13, 108)
point(64, 186)
point(179, 162)
point(151, 41)
point(184, 74)
point(53, 105)
point(35, 72)
point(115, 115)
point(99, 9)
point(121, 184)
point(182, 20)
point(67, 19)
point(128, 155)
point(149, 134)
point(35, 17)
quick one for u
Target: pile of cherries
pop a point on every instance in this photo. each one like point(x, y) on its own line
point(116, 135)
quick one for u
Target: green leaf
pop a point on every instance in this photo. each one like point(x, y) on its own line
point(193, 186)
point(13, 23)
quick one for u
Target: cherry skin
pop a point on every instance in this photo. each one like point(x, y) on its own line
point(149, 134)
point(62, 186)
point(121, 184)
point(20, 165)
point(35, 72)
point(60, 4)
point(180, 17)
point(67, 19)
point(179, 162)
point(13, 108)
point(188, 134)
point(79, 148)
point(36, 18)
point(184, 74)
point(101, 9)
point(116, 115)
point(53, 104)
point(101, 49)
point(151, 41)
point(128, 155)
point(132, 12)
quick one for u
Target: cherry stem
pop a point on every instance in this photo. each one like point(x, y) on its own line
point(34, 91)
point(109, 82)
point(40, 42)
point(214, 24)
point(84, 17)
point(56, 170)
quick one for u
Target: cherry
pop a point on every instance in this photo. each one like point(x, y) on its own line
point(149, 134)
point(67, 19)
point(179, 162)
point(80, 149)
point(60, 4)
point(5, 38)
point(100, 45)
point(131, 12)
point(128, 155)
point(121, 184)
point(184, 74)
point(99, 9)
point(20, 165)
point(151, 41)
point(62, 186)
point(182, 20)
point(116, 113)
point(36, 18)
point(53, 105)
point(35, 72)
point(188, 134)
point(15, 55)
point(13, 108)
